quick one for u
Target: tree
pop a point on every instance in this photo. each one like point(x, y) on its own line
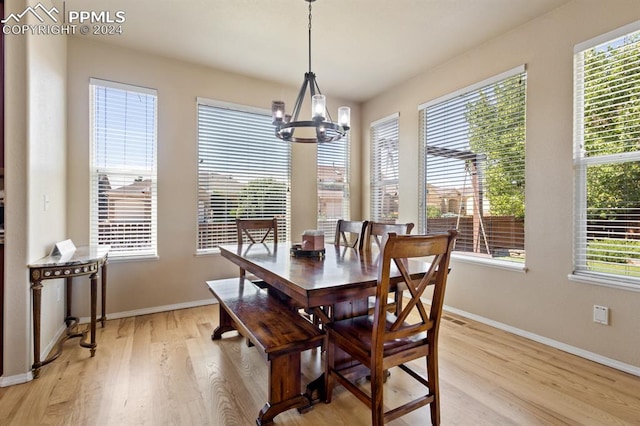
point(496, 122)
point(612, 126)
point(264, 197)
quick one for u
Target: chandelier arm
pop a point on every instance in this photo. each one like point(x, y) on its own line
point(313, 85)
point(298, 105)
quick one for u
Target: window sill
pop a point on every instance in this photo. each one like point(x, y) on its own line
point(207, 253)
point(493, 263)
point(141, 258)
point(604, 281)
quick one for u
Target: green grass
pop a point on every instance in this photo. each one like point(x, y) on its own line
point(621, 269)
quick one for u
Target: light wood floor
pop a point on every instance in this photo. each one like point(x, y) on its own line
point(163, 369)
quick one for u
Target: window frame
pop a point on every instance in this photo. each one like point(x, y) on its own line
point(95, 171)
point(379, 184)
point(284, 228)
point(582, 162)
point(422, 205)
point(329, 225)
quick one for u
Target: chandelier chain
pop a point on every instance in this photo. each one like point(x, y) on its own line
point(309, 36)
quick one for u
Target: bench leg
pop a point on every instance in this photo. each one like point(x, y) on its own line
point(284, 388)
point(225, 324)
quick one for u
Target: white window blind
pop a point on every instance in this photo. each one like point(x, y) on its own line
point(473, 163)
point(607, 157)
point(333, 185)
point(244, 171)
point(384, 169)
point(123, 168)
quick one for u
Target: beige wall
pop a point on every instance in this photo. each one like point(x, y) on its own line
point(35, 166)
point(178, 276)
point(542, 301)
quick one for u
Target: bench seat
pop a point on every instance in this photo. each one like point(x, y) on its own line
point(276, 330)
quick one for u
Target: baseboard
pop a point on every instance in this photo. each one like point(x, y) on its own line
point(155, 309)
point(591, 356)
point(18, 379)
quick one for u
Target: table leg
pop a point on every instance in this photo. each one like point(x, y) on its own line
point(36, 288)
point(67, 319)
point(94, 296)
point(315, 390)
point(103, 318)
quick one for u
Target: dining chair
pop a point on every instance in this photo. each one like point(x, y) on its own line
point(349, 233)
point(255, 231)
point(385, 340)
point(375, 234)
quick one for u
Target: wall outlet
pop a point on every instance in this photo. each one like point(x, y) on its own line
point(601, 314)
point(59, 293)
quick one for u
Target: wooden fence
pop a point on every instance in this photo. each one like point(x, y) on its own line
point(504, 234)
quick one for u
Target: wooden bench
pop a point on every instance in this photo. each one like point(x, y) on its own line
point(277, 331)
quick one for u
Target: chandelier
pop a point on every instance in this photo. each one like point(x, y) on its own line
point(321, 127)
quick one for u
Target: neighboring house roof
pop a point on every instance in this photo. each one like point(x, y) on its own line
point(435, 191)
point(137, 189)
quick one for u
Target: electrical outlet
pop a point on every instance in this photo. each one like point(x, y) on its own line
point(59, 293)
point(601, 314)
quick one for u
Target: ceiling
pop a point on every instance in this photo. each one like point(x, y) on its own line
point(359, 47)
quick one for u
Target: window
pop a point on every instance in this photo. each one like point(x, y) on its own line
point(607, 157)
point(123, 168)
point(244, 171)
point(333, 185)
point(473, 180)
point(384, 169)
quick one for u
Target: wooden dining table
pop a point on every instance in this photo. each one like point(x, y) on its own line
point(334, 286)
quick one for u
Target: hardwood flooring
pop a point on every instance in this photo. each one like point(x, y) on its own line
point(163, 369)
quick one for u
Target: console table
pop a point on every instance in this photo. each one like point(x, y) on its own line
point(88, 261)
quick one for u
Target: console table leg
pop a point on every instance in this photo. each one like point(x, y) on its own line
point(94, 297)
point(104, 293)
point(67, 318)
point(36, 288)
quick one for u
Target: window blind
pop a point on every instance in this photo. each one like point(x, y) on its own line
point(473, 164)
point(384, 169)
point(333, 185)
point(123, 168)
point(607, 157)
point(244, 171)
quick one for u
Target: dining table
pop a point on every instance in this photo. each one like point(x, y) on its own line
point(331, 285)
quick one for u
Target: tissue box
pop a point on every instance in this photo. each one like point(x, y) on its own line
point(313, 240)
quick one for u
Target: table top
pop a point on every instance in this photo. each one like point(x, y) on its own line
point(81, 255)
point(343, 274)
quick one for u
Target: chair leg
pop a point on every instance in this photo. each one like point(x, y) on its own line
point(398, 301)
point(434, 386)
point(377, 400)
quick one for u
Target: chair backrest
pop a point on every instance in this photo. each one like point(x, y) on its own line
point(397, 251)
point(376, 232)
point(355, 230)
point(257, 230)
